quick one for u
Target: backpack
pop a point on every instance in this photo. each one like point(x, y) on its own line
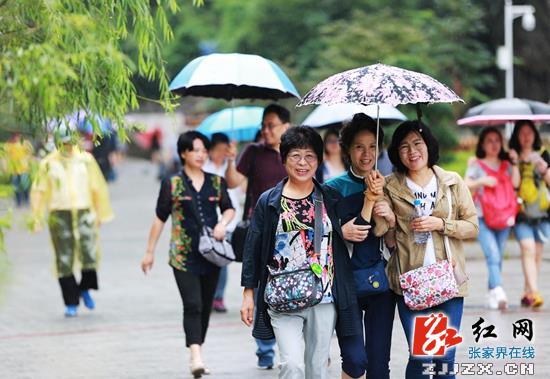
point(499, 203)
point(533, 192)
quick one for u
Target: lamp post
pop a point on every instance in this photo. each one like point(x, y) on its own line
point(506, 53)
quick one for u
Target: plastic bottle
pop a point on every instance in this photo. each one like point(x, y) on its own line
point(419, 237)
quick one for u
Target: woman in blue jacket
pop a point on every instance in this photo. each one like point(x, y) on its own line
point(371, 351)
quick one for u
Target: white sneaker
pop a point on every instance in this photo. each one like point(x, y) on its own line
point(492, 300)
point(502, 300)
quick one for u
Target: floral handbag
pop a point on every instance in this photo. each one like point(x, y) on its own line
point(292, 291)
point(428, 286)
point(431, 285)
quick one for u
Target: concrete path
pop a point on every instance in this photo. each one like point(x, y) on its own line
point(135, 331)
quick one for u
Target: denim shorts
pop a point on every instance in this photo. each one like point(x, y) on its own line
point(539, 232)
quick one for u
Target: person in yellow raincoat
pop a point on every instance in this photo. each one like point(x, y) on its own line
point(19, 158)
point(71, 188)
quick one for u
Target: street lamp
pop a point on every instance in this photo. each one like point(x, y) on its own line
point(505, 54)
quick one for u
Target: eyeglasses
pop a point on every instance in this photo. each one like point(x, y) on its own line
point(416, 145)
point(270, 126)
point(296, 157)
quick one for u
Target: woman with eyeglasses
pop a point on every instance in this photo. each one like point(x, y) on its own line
point(414, 153)
point(295, 255)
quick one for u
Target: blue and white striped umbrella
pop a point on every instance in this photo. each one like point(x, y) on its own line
point(240, 123)
point(233, 76)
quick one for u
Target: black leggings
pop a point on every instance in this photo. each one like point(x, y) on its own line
point(197, 294)
point(71, 290)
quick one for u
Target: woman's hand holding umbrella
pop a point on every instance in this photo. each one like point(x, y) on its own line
point(374, 192)
point(375, 185)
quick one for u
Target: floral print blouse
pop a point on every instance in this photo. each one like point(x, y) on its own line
point(294, 247)
point(175, 201)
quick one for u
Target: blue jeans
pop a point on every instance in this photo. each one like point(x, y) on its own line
point(222, 281)
point(492, 243)
point(266, 348)
point(415, 368)
point(540, 232)
point(371, 352)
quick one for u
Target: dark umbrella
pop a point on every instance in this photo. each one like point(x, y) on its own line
point(501, 111)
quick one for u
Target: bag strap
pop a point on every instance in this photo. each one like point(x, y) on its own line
point(318, 226)
point(445, 237)
point(488, 170)
point(194, 209)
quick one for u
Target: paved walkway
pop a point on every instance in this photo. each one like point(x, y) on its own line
point(136, 332)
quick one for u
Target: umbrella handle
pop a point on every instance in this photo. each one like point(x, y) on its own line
point(377, 135)
point(418, 113)
point(232, 132)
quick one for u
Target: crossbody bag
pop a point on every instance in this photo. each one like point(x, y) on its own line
point(293, 291)
point(431, 285)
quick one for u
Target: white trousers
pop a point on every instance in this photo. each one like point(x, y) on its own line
point(304, 341)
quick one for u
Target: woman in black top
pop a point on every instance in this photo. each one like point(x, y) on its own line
point(195, 276)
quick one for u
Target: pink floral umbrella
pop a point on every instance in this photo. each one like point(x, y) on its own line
point(379, 84)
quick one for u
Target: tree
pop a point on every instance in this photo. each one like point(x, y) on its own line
point(61, 56)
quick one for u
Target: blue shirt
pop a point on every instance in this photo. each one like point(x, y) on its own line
point(351, 187)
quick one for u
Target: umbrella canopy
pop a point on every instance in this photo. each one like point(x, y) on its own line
point(500, 111)
point(233, 76)
point(379, 84)
point(334, 114)
point(240, 123)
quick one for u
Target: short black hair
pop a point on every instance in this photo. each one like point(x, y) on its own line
point(403, 131)
point(514, 139)
point(185, 142)
point(359, 123)
point(480, 153)
point(218, 138)
point(331, 131)
point(301, 137)
point(279, 110)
